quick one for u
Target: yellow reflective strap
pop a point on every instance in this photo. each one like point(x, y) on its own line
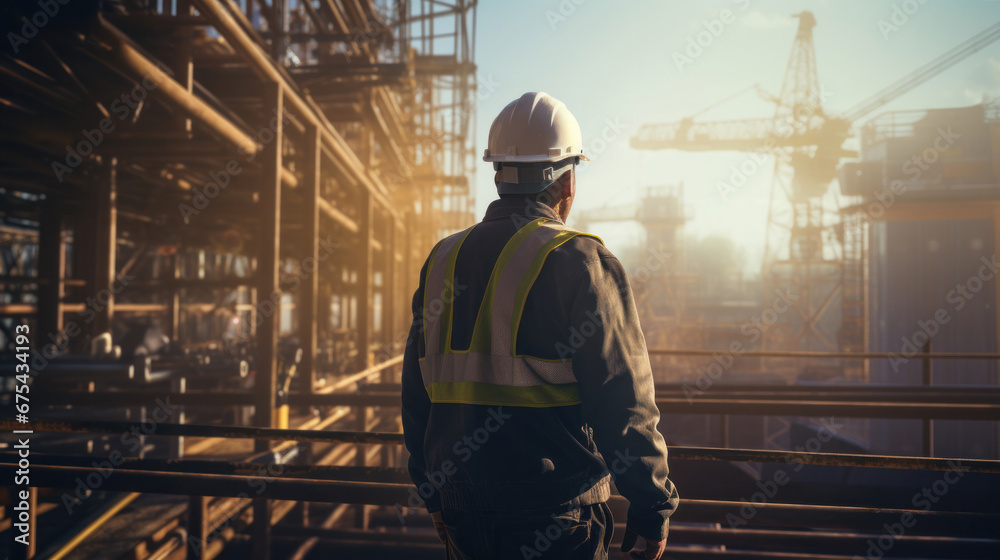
point(427, 279)
point(521, 296)
point(534, 396)
point(482, 332)
point(436, 283)
point(448, 303)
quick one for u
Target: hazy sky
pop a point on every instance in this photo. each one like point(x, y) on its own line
point(612, 64)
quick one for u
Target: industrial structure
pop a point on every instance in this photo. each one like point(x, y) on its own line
point(808, 251)
point(213, 214)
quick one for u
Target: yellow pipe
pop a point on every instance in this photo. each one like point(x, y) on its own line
point(94, 526)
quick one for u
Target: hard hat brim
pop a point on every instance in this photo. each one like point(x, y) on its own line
point(531, 159)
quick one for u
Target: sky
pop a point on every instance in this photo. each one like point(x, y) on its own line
point(614, 65)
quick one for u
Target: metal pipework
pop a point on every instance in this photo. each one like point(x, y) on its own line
point(814, 408)
point(752, 539)
point(751, 406)
point(390, 438)
point(198, 430)
point(223, 21)
point(958, 524)
point(78, 368)
point(888, 393)
point(254, 466)
point(815, 354)
point(144, 69)
point(227, 368)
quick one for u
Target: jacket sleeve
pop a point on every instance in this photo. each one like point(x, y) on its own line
point(417, 406)
point(616, 389)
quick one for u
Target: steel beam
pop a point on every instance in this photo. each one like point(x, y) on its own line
point(330, 211)
point(815, 354)
point(678, 405)
point(956, 524)
point(927, 374)
point(268, 273)
point(106, 246)
point(51, 269)
point(395, 438)
point(223, 21)
point(166, 87)
point(365, 273)
point(309, 294)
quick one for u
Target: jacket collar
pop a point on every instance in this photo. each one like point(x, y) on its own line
point(522, 209)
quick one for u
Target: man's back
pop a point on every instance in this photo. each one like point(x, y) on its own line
point(579, 310)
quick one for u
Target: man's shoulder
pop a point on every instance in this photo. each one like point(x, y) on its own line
point(580, 251)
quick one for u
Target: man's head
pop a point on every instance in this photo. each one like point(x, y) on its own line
point(558, 195)
point(534, 145)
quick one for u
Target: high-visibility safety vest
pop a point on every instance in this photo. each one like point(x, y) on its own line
point(491, 371)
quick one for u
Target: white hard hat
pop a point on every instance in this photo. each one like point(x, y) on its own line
point(533, 130)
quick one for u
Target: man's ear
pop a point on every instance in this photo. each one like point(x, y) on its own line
point(568, 180)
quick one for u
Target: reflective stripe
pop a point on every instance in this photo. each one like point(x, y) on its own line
point(490, 371)
point(509, 279)
point(440, 280)
point(498, 370)
point(536, 396)
point(482, 332)
point(531, 273)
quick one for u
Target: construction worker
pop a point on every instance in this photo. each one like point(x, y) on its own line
point(526, 382)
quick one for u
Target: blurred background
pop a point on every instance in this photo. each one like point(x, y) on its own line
point(213, 215)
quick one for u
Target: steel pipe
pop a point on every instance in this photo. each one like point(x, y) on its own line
point(166, 86)
point(667, 405)
point(390, 438)
point(815, 354)
point(259, 61)
point(958, 524)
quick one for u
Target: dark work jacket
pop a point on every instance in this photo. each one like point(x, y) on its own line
point(479, 457)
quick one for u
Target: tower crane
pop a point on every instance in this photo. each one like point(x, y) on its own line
point(803, 253)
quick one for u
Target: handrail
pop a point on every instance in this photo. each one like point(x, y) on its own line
point(395, 438)
point(815, 354)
